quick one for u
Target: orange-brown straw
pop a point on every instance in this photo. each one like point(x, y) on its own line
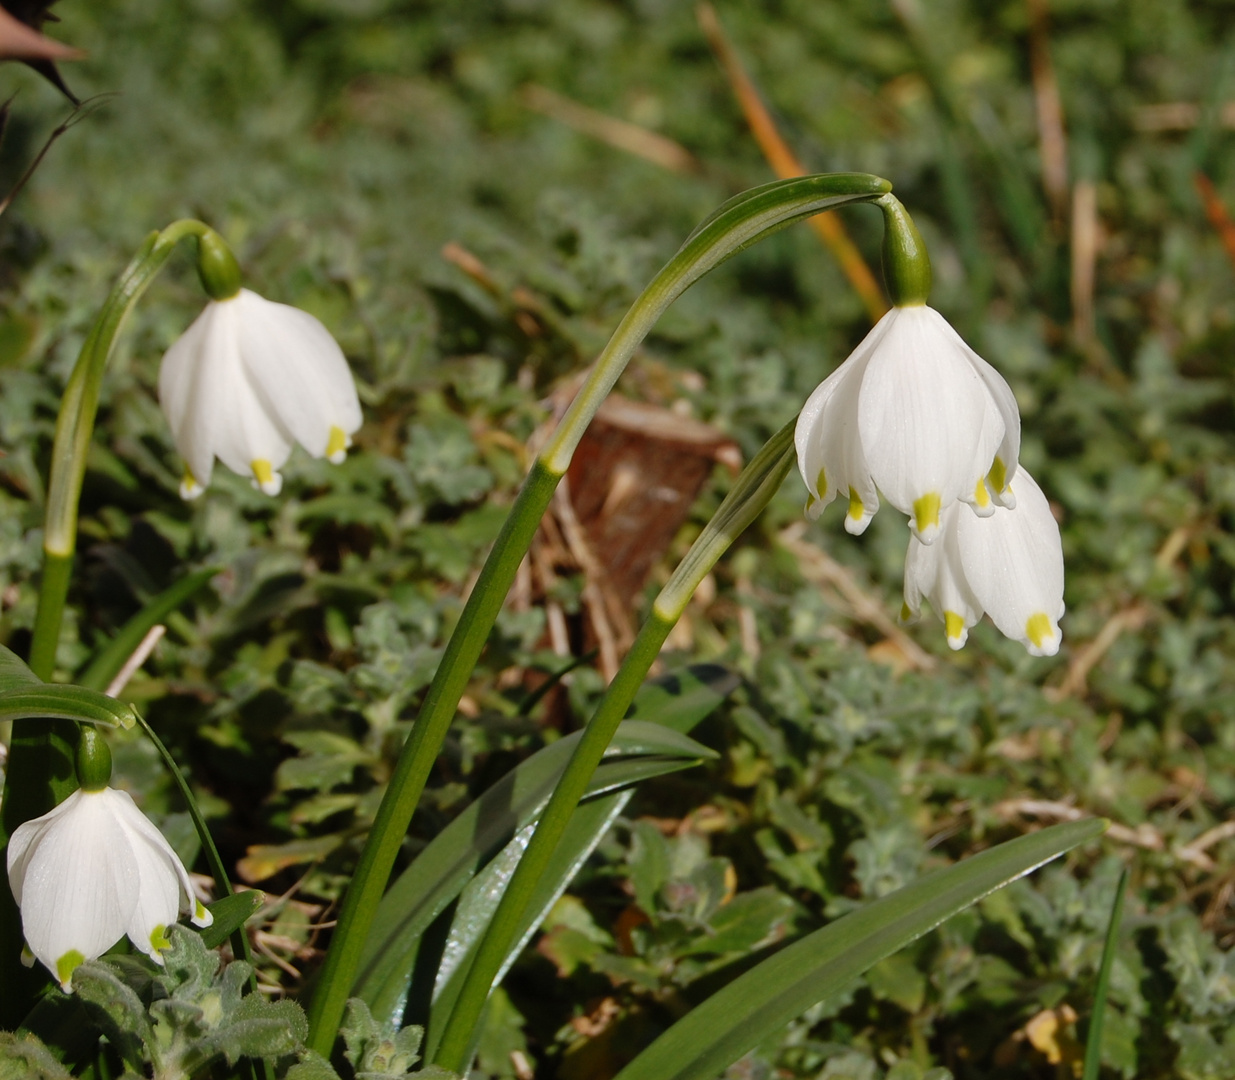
point(785, 164)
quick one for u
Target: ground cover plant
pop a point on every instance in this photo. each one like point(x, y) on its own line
point(469, 197)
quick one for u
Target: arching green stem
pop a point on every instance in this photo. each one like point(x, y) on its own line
point(753, 490)
point(740, 222)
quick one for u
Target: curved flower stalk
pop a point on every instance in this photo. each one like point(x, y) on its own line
point(249, 379)
point(915, 414)
point(1008, 565)
point(93, 870)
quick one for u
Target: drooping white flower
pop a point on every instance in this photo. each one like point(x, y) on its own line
point(1008, 565)
point(913, 414)
point(91, 871)
point(249, 379)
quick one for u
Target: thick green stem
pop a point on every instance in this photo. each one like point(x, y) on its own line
point(740, 222)
point(753, 490)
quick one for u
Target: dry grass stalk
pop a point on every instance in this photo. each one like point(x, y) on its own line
point(620, 134)
point(1052, 142)
point(785, 164)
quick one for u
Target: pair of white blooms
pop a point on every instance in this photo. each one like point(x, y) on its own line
point(917, 415)
point(245, 382)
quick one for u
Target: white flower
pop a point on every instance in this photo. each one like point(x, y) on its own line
point(914, 414)
point(249, 379)
point(90, 871)
point(1009, 565)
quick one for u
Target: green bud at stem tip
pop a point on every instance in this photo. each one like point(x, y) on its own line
point(906, 265)
point(93, 760)
point(217, 266)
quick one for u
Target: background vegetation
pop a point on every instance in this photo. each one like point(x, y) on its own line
point(339, 144)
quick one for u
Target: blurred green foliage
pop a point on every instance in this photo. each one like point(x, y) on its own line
point(338, 144)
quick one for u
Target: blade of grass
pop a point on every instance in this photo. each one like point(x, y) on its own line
point(110, 659)
point(1093, 1042)
point(763, 1000)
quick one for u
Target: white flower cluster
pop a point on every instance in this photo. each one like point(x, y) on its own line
point(916, 415)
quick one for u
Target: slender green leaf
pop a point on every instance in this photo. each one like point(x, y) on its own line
point(682, 698)
point(763, 1000)
point(587, 826)
point(230, 914)
point(54, 702)
point(14, 673)
point(440, 873)
point(1093, 1043)
point(110, 659)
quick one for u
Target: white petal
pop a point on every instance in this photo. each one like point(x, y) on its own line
point(165, 889)
point(924, 417)
point(935, 572)
point(828, 442)
point(299, 372)
point(1013, 562)
point(212, 406)
point(79, 882)
point(1000, 473)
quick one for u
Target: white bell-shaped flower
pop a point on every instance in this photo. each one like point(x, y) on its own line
point(91, 871)
point(249, 379)
point(913, 414)
point(1008, 565)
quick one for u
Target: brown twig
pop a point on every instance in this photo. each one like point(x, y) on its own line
point(621, 134)
point(1084, 257)
point(1216, 212)
point(1178, 116)
point(139, 656)
point(1052, 141)
point(1088, 655)
point(79, 113)
point(786, 164)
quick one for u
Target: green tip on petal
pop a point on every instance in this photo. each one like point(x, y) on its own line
point(336, 445)
point(189, 487)
point(856, 506)
point(159, 941)
point(821, 483)
point(265, 478)
point(1038, 629)
point(998, 476)
point(926, 511)
point(953, 625)
point(66, 965)
point(981, 497)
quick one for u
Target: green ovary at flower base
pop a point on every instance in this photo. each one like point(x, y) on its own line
point(248, 380)
point(93, 870)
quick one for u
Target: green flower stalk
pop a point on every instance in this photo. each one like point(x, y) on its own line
point(751, 493)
